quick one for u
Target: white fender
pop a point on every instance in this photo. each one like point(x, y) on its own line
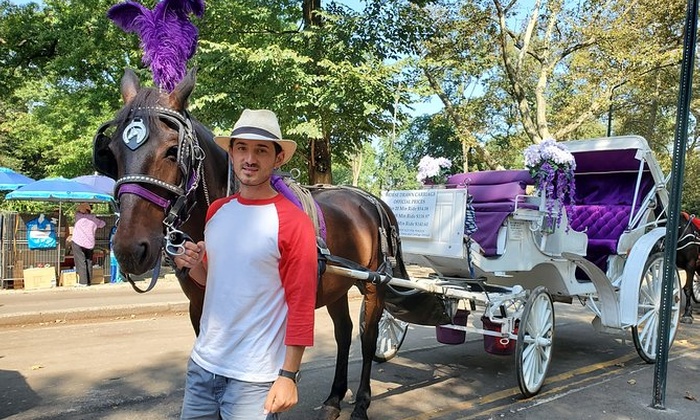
point(632, 275)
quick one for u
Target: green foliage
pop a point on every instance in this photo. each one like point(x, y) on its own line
point(350, 80)
point(429, 135)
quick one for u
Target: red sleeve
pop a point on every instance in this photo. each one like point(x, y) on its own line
point(298, 271)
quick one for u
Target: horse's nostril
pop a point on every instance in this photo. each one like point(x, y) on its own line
point(135, 256)
point(141, 250)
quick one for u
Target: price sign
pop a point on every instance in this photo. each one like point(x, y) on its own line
point(414, 210)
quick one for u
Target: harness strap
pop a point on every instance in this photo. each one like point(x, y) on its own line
point(143, 193)
point(308, 205)
point(385, 226)
point(302, 198)
point(688, 233)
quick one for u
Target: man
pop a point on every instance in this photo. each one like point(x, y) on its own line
point(83, 242)
point(260, 279)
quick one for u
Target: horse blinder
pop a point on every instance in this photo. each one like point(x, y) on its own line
point(102, 157)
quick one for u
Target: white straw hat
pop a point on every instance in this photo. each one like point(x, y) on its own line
point(259, 124)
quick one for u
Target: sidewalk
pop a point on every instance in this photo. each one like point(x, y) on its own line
point(110, 300)
point(100, 301)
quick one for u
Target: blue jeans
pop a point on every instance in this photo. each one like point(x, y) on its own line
point(210, 396)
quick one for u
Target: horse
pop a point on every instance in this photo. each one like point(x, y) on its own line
point(168, 170)
point(687, 255)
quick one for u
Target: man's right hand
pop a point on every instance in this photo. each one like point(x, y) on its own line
point(192, 257)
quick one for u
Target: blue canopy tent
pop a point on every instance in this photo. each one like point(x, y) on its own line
point(11, 180)
point(100, 182)
point(60, 190)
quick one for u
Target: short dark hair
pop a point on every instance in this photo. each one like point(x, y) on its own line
point(278, 148)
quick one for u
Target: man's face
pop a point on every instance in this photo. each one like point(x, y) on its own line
point(254, 160)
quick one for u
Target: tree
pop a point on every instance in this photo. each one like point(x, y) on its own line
point(59, 82)
point(329, 89)
point(565, 60)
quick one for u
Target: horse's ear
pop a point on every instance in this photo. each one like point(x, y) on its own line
point(130, 85)
point(183, 90)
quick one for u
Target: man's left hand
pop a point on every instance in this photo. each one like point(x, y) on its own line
point(282, 396)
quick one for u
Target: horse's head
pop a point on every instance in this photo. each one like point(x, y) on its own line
point(155, 152)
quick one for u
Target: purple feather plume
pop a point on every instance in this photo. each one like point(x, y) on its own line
point(168, 38)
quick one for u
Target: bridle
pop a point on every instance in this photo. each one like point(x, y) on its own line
point(181, 198)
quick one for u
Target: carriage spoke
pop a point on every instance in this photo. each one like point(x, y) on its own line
point(645, 332)
point(390, 335)
point(534, 344)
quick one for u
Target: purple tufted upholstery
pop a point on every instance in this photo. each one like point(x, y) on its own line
point(603, 224)
point(602, 209)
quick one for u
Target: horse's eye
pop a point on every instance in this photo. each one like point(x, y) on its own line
point(171, 153)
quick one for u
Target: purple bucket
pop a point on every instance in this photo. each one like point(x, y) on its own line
point(498, 345)
point(448, 335)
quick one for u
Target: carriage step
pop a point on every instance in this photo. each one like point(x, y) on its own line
point(614, 331)
point(562, 299)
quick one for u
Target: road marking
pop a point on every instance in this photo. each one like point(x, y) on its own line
point(610, 368)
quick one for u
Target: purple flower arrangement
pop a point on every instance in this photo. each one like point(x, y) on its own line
point(433, 171)
point(552, 167)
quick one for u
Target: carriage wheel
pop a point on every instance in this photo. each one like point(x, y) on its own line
point(533, 350)
point(646, 333)
point(696, 287)
point(392, 332)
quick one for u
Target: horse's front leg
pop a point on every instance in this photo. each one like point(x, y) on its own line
point(373, 311)
point(687, 317)
point(339, 312)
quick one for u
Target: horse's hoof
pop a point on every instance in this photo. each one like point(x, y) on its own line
point(328, 412)
point(686, 320)
point(359, 416)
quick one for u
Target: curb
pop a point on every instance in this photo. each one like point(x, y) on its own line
point(127, 310)
point(83, 314)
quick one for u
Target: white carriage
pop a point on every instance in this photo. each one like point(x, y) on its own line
point(606, 255)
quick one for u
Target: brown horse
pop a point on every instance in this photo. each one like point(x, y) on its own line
point(168, 169)
point(687, 255)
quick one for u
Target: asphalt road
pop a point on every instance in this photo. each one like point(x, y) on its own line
point(133, 368)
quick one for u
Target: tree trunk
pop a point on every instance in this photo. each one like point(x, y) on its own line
point(320, 163)
point(320, 149)
point(308, 9)
point(356, 166)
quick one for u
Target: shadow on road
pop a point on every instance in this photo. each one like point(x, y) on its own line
point(16, 395)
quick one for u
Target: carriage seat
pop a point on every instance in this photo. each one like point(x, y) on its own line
point(494, 196)
point(603, 224)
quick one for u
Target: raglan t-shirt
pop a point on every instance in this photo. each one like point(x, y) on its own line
point(261, 287)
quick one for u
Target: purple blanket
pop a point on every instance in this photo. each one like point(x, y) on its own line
point(494, 195)
point(282, 188)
